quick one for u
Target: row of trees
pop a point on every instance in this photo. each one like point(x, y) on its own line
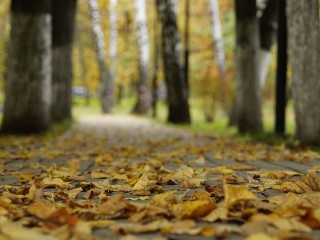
point(38, 85)
point(298, 24)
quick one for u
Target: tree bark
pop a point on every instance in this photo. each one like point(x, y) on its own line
point(112, 48)
point(63, 21)
point(281, 81)
point(217, 37)
point(156, 62)
point(28, 83)
point(247, 67)
point(268, 32)
point(304, 55)
point(105, 84)
point(187, 43)
point(144, 96)
point(218, 49)
point(176, 87)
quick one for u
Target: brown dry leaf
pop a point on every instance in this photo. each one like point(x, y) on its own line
point(215, 191)
point(99, 174)
point(27, 177)
point(56, 182)
point(201, 195)
point(191, 182)
point(61, 217)
point(193, 209)
point(265, 223)
point(242, 167)
point(231, 179)
point(308, 183)
point(113, 205)
point(312, 218)
point(234, 194)
point(165, 200)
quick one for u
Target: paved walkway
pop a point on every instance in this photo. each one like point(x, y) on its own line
point(96, 146)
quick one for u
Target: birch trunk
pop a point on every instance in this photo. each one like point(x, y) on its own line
point(217, 37)
point(63, 21)
point(176, 87)
point(28, 84)
point(105, 85)
point(247, 67)
point(304, 56)
point(144, 96)
point(112, 48)
point(219, 49)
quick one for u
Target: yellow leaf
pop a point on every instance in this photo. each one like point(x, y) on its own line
point(193, 209)
point(74, 192)
point(219, 213)
point(142, 183)
point(15, 231)
point(260, 236)
point(56, 182)
point(234, 194)
point(220, 170)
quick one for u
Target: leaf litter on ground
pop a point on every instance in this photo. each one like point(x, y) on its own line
point(139, 178)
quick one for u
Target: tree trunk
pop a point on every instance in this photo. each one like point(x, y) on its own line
point(176, 87)
point(187, 43)
point(112, 48)
point(281, 82)
point(63, 21)
point(247, 67)
point(28, 84)
point(156, 60)
point(304, 50)
point(217, 37)
point(268, 30)
point(219, 49)
point(144, 96)
point(106, 87)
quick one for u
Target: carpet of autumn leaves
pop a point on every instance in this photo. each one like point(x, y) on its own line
point(121, 177)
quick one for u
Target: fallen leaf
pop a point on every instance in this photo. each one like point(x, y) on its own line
point(193, 209)
point(56, 182)
point(13, 230)
point(233, 194)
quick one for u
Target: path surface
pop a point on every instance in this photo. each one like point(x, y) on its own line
point(123, 148)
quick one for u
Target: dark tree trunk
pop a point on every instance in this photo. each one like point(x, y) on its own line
point(176, 87)
point(268, 32)
point(281, 81)
point(248, 92)
point(187, 43)
point(269, 25)
point(63, 21)
point(28, 83)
